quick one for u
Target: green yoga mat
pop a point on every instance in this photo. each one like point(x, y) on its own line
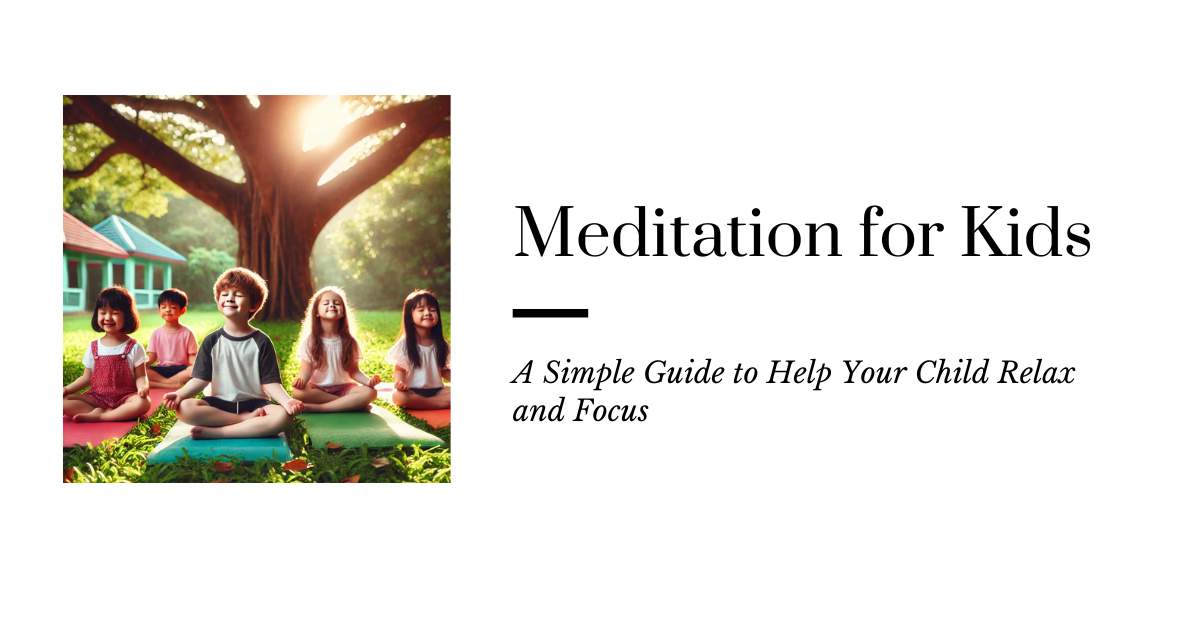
point(377, 428)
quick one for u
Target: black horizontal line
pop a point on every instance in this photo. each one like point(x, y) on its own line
point(550, 313)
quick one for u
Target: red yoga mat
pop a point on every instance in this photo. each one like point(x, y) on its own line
point(156, 395)
point(92, 433)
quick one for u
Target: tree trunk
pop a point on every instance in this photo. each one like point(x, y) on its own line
point(276, 235)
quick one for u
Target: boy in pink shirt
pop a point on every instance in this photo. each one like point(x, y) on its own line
point(172, 348)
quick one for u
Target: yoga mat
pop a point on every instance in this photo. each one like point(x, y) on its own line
point(93, 433)
point(377, 428)
point(435, 418)
point(179, 440)
point(156, 395)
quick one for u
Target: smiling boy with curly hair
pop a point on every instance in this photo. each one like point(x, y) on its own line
point(240, 363)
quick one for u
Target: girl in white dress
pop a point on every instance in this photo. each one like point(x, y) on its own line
point(329, 379)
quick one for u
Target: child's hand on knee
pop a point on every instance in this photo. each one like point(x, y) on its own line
point(293, 407)
point(375, 379)
point(400, 376)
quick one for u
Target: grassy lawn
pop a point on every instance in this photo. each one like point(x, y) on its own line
point(124, 459)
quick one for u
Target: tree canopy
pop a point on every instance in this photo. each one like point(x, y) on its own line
point(396, 237)
point(277, 176)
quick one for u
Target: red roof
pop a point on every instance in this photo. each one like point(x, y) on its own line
point(80, 237)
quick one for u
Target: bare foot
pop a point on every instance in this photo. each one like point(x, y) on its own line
point(200, 432)
point(251, 415)
point(92, 415)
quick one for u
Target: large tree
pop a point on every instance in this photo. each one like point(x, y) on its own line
point(280, 206)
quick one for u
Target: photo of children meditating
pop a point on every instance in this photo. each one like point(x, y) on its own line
point(238, 364)
point(329, 379)
point(307, 218)
point(229, 388)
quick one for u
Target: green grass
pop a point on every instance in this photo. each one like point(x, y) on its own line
point(124, 459)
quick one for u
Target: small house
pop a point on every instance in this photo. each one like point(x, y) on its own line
point(114, 252)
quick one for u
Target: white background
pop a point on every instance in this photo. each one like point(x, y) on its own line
point(859, 505)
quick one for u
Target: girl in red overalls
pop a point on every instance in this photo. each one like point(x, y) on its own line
point(114, 365)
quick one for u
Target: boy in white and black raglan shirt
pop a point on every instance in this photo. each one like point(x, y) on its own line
point(241, 364)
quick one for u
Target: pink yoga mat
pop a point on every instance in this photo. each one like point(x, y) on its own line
point(92, 433)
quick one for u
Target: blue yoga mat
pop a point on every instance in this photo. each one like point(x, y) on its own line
point(178, 442)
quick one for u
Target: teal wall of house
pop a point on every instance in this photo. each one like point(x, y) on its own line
point(144, 279)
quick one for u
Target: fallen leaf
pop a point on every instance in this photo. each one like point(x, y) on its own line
point(69, 475)
point(380, 463)
point(222, 466)
point(155, 429)
point(352, 479)
point(299, 464)
point(332, 446)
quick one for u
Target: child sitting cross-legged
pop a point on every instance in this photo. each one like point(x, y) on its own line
point(329, 378)
point(114, 366)
point(421, 356)
point(240, 363)
point(173, 346)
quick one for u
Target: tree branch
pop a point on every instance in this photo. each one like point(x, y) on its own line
point(240, 129)
point(237, 116)
point(320, 159)
point(441, 130)
point(421, 124)
point(268, 101)
point(163, 105)
point(71, 115)
point(106, 153)
point(216, 191)
point(267, 139)
point(233, 110)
